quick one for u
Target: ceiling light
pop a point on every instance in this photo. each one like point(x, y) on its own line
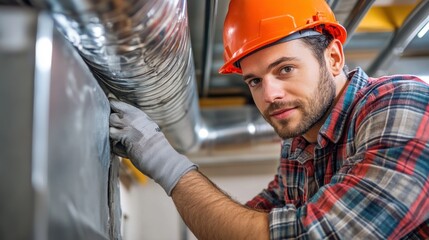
point(251, 128)
point(424, 30)
point(203, 133)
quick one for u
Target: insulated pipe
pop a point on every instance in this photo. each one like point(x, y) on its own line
point(140, 51)
point(148, 62)
point(415, 21)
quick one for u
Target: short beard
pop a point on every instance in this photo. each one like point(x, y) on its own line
point(313, 108)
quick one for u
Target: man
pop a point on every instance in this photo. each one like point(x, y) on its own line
point(355, 152)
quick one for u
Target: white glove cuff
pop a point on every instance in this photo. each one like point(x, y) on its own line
point(177, 173)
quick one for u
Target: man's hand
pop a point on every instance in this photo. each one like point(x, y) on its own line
point(135, 136)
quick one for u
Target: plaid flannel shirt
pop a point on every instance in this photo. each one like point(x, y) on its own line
point(367, 175)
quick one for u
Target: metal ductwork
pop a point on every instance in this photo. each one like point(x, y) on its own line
point(234, 126)
point(140, 51)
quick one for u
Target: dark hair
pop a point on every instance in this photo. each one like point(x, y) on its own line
point(318, 44)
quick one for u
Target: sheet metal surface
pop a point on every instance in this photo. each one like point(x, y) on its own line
point(16, 99)
point(56, 165)
point(78, 152)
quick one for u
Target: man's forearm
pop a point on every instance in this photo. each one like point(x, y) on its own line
point(211, 214)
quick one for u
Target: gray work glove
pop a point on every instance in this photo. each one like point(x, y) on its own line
point(135, 136)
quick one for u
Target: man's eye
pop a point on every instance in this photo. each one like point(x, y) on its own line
point(253, 82)
point(286, 69)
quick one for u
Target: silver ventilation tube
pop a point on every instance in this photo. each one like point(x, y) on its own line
point(141, 52)
point(234, 126)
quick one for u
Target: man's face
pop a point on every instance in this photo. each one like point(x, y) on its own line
point(289, 87)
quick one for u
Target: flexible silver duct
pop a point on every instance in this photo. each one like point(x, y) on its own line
point(141, 52)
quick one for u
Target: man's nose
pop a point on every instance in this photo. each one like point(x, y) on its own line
point(273, 90)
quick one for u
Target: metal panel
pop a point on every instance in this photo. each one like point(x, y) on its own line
point(78, 152)
point(16, 100)
point(57, 172)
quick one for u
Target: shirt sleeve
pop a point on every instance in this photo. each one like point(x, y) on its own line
point(382, 189)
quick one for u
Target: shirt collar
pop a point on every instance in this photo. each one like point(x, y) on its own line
point(335, 123)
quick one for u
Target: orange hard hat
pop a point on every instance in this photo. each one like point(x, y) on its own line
point(253, 24)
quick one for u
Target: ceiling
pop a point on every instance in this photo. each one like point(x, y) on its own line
point(371, 25)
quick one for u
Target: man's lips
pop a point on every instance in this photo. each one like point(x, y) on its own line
point(282, 113)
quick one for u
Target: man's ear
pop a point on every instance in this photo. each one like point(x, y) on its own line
point(335, 57)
